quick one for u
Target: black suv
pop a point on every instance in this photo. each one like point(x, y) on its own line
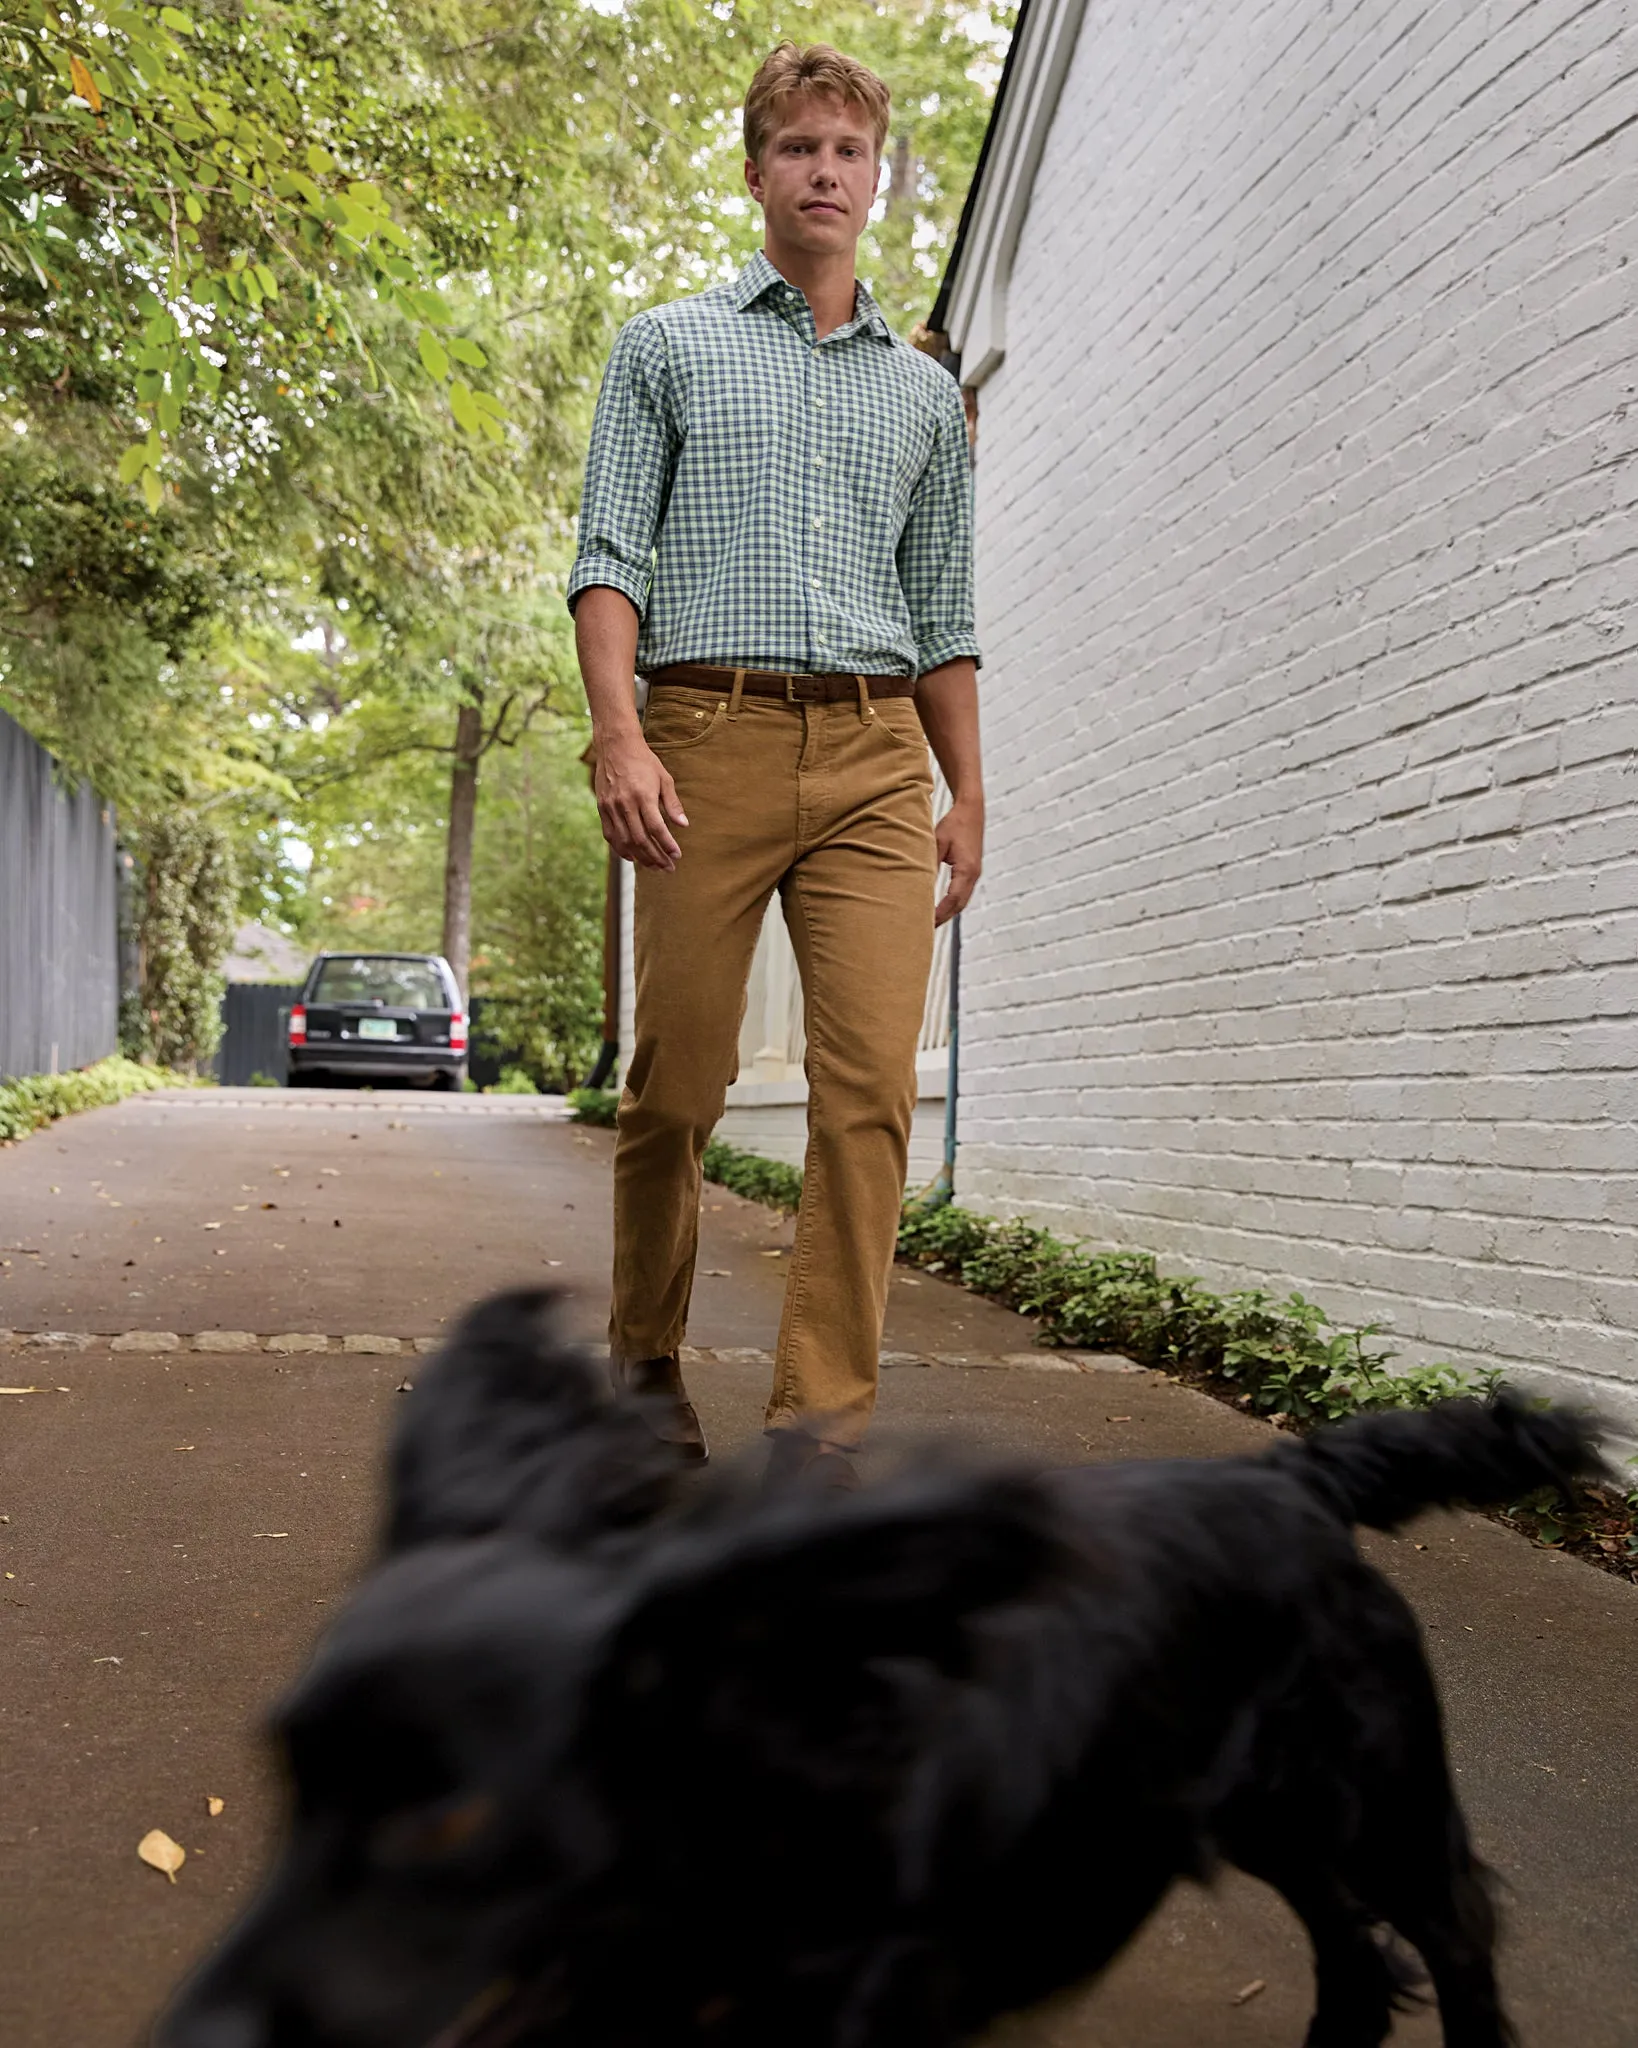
point(378, 1017)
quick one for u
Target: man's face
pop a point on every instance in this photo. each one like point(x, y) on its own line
point(818, 175)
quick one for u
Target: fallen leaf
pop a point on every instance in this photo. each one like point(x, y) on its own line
point(210, 1226)
point(1117, 1418)
point(718, 1273)
point(774, 1254)
point(213, 1805)
point(159, 1852)
point(182, 1447)
point(22, 1390)
point(405, 1387)
point(270, 1205)
point(239, 1207)
point(107, 1660)
point(270, 1532)
point(1248, 1992)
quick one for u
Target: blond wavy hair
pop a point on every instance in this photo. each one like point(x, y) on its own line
point(818, 68)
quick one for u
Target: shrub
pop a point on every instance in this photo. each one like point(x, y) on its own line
point(758, 1179)
point(1283, 1357)
point(594, 1105)
point(513, 1081)
point(1280, 1358)
point(34, 1101)
point(186, 906)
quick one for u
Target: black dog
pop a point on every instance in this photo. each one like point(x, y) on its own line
point(851, 1773)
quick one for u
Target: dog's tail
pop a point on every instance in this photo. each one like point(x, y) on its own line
point(1382, 1469)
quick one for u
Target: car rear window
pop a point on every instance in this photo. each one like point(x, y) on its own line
point(416, 984)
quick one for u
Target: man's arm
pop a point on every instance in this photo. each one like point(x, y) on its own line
point(628, 481)
point(947, 698)
point(935, 564)
point(636, 798)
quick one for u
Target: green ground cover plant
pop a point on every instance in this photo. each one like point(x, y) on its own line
point(35, 1100)
point(593, 1106)
point(1279, 1357)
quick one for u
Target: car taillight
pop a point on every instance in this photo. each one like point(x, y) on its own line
point(298, 1026)
point(457, 1032)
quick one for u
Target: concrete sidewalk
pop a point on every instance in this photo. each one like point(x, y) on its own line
point(181, 1524)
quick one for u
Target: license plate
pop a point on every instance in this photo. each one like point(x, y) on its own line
point(377, 1027)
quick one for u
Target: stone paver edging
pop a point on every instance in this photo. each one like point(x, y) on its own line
point(287, 1343)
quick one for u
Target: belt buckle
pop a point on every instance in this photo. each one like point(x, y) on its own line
point(795, 693)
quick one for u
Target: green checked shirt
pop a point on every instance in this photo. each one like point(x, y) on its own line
point(769, 499)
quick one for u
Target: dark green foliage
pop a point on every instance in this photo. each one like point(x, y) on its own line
point(187, 905)
point(594, 1106)
point(1283, 1355)
point(36, 1100)
point(759, 1180)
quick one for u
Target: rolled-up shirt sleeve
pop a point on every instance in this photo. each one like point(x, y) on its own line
point(629, 468)
point(935, 552)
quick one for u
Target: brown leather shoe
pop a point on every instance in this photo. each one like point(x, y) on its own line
point(656, 1385)
point(795, 1458)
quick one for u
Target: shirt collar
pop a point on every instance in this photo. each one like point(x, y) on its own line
point(759, 277)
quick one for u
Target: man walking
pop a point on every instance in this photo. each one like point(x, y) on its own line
point(777, 532)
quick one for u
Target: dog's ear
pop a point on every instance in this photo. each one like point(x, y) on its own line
point(790, 1625)
point(512, 1427)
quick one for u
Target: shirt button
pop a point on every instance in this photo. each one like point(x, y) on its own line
point(818, 462)
point(818, 405)
point(815, 581)
point(817, 522)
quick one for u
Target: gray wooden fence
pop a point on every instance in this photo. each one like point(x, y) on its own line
point(59, 915)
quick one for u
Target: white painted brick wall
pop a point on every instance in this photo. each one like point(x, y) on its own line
point(1308, 948)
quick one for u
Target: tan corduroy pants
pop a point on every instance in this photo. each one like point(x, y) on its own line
point(830, 804)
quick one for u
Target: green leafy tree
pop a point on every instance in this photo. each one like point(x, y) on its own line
point(333, 281)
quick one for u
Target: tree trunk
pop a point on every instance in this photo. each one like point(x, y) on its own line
point(901, 188)
point(463, 810)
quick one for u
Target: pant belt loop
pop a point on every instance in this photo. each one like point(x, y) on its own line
point(736, 693)
point(866, 709)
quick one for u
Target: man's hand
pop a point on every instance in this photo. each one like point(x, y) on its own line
point(960, 838)
point(637, 801)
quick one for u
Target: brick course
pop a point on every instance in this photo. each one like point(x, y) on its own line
point(1307, 952)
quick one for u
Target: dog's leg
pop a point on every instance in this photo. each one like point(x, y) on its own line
point(1447, 1912)
point(1417, 1868)
point(1354, 1986)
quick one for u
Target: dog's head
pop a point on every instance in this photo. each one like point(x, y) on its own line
point(682, 1798)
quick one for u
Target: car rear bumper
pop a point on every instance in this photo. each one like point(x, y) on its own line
point(375, 1062)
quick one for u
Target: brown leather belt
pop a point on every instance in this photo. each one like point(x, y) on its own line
point(794, 688)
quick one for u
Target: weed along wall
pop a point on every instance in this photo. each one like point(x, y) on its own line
point(1307, 952)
